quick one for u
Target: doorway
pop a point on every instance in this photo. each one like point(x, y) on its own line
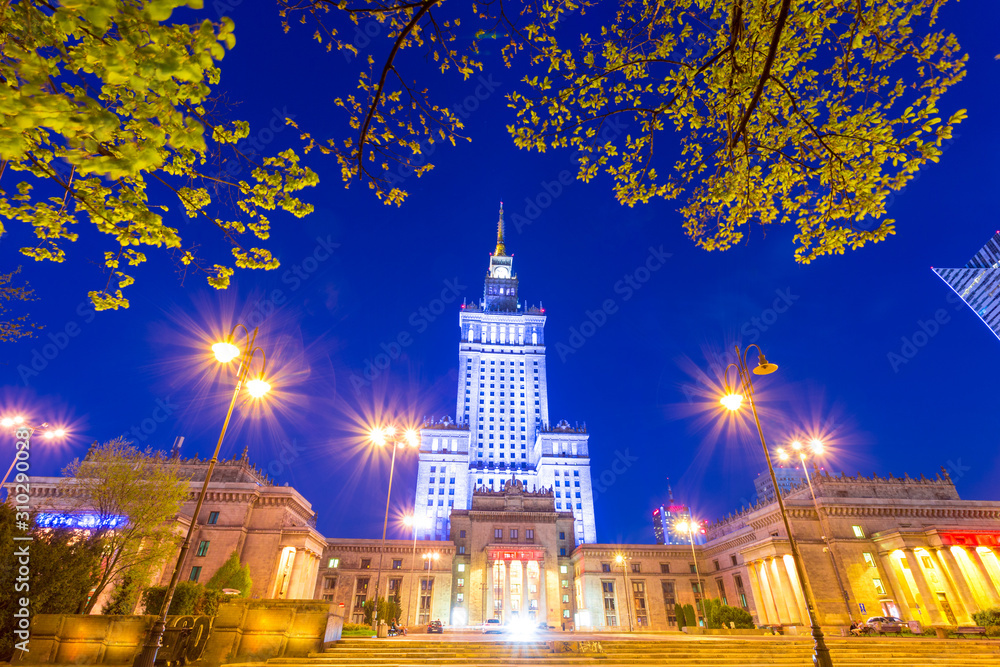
point(943, 601)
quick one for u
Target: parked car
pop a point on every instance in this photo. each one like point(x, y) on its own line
point(435, 626)
point(492, 625)
point(883, 624)
point(885, 619)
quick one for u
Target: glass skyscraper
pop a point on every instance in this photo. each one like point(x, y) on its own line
point(978, 283)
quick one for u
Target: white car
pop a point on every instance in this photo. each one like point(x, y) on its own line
point(492, 625)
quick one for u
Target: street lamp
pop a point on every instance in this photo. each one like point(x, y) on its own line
point(225, 351)
point(18, 422)
point(732, 400)
point(623, 560)
point(415, 523)
point(688, 526)
point(815, 450)
point(430, 557)
point(382, 437)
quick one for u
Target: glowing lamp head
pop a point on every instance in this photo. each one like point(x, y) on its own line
point(409, 521)
point(764, 367)
point(782, 454)
point(6, 422)
point(258, 387)
point(225, 351)
point(817, 446)
point(377, 436)
point(619, 559)
point(732, 401)
point(412, 438)
point(796, 445)
point(18, 419)
point(389, 431)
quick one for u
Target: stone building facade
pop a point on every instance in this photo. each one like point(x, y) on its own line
point(272, 528)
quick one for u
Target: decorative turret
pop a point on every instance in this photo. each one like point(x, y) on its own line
point(500, 293)
point(501, 250)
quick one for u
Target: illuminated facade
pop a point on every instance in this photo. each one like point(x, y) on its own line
point(978, 283)
point(502, 430)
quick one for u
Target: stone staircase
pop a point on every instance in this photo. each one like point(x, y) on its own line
point(668, 651)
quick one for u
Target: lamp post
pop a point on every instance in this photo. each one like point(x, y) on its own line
point(732, 401)
point(815, 450)
point(225, 351)
point(414, 523)
point(430, 557)
point(18, 422)
point(381, 437)
point(623, 560)
point(688, 526)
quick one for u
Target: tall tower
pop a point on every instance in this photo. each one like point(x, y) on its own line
point(978, 283)
point(502, 430)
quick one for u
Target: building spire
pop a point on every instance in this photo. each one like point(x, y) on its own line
point(501, 250)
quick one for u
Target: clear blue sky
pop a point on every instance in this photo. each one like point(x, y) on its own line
point(636, 382)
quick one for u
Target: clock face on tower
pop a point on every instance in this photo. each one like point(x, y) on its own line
point(501, 272)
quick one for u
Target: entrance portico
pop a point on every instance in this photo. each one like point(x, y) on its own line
point(516, 588)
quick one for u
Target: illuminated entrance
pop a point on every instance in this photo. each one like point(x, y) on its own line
point(516, 588)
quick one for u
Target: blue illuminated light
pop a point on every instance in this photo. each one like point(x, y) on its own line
point(86, 521)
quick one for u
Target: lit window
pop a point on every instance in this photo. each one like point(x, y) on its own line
point(858, 531)
point(461, 567)
point(333, 562)
point(878, 586)
point(202, 550)
point(195, 573)
point(213, 517)
point(869, 559)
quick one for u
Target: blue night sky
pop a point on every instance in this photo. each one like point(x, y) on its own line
point(356, 275)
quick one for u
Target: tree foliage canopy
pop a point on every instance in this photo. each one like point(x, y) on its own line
point(116, 481)
point(232, 575)
point(810, 112)
point(108, 119)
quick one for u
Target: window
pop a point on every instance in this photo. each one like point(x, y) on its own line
point(858, 532)
point(732, 559)
point(738, 580)
point(397, 563)
point(513, 533)
point(562, 536)
point(665, 568)
point(879, 588)
point(722, 590)
point(202, 550)
point(195, 573)
point(333, 562)
point(498, 533)
point(460, 598)
point(562, 551)
point(926, 560)
point(636, 568)
point(360, 594)
point(564, 583)
point(869, 559)
point(715, 563)
point(639, 600)
point(461, 567)
point(610, 617)
point(366, 563)
point(461, 549)
point(394, 587)
point(605, 567)
point(460, 583)
point(426, 589)
point(213, 517)
point(565, 599)
point(692, 568)
point(329, 583)
point(563, 569)
point(461, 533)
point(529, 534)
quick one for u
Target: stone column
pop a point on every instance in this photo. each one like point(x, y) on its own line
point(962, 596)
point(988, 586)
point(768, 586)
point(506, 592)
point(930, 599)
point(788, 592)
point(543, 608)
point(295, 578)
point(898, 584)
point(523, 611)
point(489, 591)
point(760, 606)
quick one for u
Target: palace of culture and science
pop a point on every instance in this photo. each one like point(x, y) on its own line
point(502, 431)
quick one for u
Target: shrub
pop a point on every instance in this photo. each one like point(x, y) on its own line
point(740, 618)
point(387, 610)
point(232, 575)
point(689, 616)
point(190, 599)
point(987, 617)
